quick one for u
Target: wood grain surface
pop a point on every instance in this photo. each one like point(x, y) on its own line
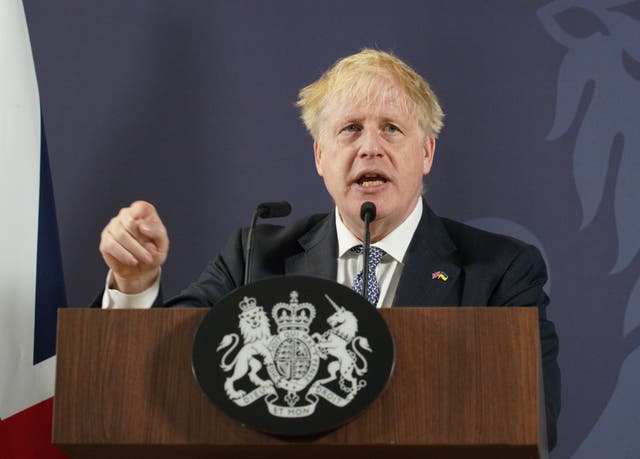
point(465, 384)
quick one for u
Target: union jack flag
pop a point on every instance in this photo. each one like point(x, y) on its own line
point(31, 278)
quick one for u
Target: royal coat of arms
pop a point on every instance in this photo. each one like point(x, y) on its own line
point(302, 367)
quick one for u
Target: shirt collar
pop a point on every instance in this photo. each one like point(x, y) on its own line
point(395, 243)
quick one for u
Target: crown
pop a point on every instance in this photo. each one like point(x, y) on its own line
point(293, 315)
point(247, 304)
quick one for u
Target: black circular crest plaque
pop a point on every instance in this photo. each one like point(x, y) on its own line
point(293, 355)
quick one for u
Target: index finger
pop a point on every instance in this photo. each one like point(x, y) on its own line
point(142, 210)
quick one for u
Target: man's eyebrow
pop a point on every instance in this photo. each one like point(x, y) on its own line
point(353, 116)
point(391, 119)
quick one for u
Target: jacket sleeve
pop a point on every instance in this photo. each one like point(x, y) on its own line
point(221, 275)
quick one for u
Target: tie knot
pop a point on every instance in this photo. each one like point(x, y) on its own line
point(375, 254)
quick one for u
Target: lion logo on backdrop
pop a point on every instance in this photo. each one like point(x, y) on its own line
point(598, 103)
point(294, 357)
point(601, 66)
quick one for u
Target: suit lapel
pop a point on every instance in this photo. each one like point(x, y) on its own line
point(320, 253)
point(431, 251)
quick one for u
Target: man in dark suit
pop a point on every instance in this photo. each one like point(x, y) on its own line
point(374, 122)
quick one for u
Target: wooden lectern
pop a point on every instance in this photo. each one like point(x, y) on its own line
point(466, 384)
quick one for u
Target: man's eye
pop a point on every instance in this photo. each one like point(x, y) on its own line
point(391, 128)
point(352, 128)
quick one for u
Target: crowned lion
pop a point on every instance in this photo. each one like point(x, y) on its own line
point(256, 334)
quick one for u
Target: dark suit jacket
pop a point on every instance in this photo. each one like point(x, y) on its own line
point(484, 269)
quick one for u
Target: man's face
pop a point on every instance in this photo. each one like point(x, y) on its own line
point(373, 152)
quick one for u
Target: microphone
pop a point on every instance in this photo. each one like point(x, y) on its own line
point(368, 209)
point(367, 214)
point(264, 210)
point(273, 209)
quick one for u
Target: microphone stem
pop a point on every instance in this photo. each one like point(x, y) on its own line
point(247, 266)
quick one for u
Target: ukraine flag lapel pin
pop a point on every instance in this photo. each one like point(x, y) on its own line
point(441, 275)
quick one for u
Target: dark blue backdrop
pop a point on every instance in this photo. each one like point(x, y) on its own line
point(190, 105)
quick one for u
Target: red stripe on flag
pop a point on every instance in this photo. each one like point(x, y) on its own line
point(27, 435)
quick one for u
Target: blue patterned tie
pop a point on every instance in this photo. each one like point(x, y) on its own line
point(373, 292)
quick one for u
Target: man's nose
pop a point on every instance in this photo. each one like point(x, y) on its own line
point(371, 143)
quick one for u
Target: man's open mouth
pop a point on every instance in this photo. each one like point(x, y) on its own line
point(370, 180)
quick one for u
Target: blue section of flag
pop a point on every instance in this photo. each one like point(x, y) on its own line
point(50, 289)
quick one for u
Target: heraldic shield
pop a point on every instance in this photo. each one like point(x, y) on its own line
point(293, 355)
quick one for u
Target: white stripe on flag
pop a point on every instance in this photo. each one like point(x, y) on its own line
point(21, 383)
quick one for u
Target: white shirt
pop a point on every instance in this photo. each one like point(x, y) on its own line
point(388, 272)
point(115, 299)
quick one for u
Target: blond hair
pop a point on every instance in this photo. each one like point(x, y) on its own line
point(358, 77)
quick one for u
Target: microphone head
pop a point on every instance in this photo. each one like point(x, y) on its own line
point(368, 208)
point(274, 209)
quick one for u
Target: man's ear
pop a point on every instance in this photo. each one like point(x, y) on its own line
point(429, 150)
point(317, 154)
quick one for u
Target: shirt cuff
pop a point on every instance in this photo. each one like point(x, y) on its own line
point(114, 299)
